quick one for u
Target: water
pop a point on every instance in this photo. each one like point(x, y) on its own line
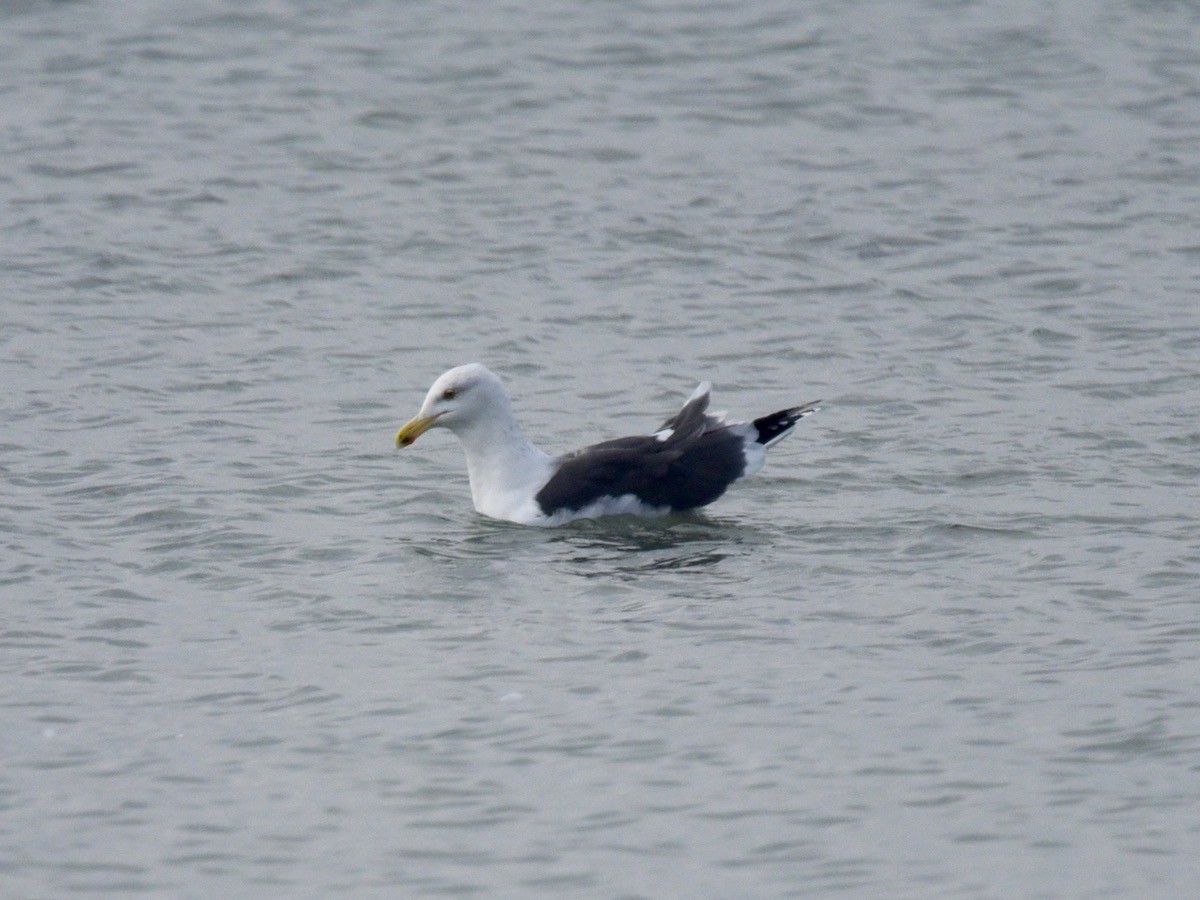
point(946, 644)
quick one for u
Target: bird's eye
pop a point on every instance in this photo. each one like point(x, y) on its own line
point(449, 394)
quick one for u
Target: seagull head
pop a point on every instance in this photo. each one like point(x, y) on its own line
point(460, 397)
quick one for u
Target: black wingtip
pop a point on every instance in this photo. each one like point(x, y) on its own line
point(778, 425)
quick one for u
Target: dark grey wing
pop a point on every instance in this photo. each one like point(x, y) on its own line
point(677, 474)
point(692, 419)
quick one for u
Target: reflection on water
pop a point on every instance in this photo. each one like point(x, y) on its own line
point(614, 546)
point(623, 547)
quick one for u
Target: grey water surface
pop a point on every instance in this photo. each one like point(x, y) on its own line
point(945, 645)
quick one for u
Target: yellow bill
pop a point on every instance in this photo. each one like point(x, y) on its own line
point(413, 429)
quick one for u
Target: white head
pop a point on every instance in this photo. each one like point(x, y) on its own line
point(462, 397)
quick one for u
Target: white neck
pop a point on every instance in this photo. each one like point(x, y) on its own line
point(503, 465)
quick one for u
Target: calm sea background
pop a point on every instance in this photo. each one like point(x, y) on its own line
point(945, 645)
